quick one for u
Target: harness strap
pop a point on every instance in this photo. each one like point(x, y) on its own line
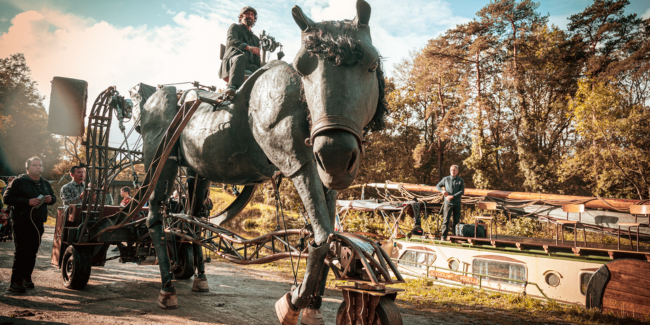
point(336, 122)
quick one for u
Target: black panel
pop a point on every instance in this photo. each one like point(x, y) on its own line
point(596, 288)
point(67, 106)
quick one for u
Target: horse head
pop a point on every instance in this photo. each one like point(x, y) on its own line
point(344, 88)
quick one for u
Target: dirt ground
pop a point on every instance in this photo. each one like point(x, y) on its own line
point(126, 294)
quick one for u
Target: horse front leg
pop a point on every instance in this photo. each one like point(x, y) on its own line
point(317, 203)
point(312, 314)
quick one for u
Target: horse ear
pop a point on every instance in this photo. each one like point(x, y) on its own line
point(363, 13)
point(301, 19)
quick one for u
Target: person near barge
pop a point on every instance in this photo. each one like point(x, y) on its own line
point(242, 51)
point(73, 192)
point(454, 188)
point(28, 215)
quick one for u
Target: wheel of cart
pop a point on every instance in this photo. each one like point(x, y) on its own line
point(75, 267)
point(185, 268)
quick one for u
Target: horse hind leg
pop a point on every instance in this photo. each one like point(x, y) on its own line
point(156, 115)
point(198, 188)
point(167, 298)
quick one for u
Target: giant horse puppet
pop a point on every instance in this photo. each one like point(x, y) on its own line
point(306, 121)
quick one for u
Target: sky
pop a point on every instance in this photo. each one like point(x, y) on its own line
point(122, 43)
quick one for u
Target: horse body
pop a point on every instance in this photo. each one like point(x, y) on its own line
point(219, 145)
point(305, 120)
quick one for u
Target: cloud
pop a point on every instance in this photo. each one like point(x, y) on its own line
point(57, 44)
point(187, 49)
point(646, 15)
point(168, 11)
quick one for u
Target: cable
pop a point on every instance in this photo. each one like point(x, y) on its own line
point(32, 220)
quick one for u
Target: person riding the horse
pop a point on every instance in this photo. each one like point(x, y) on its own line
point(242, 52)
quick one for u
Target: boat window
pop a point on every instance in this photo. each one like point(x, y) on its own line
point(417, 259)
point(584, 282)
point(453, 264)
point(552, 279)
point(500, 269)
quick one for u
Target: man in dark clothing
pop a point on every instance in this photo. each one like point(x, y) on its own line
point(454, 190)
point(242, 52)
point(28, 215)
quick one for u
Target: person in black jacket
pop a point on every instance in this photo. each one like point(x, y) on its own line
point(28, 215)
point(242, 52)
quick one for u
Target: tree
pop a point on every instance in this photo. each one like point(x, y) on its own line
point(23, 120)
point(624, 130)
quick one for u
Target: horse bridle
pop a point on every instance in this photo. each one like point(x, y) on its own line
point(335, 122)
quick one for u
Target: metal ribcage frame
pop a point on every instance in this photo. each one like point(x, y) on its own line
point(97, 159)
point(172, 134)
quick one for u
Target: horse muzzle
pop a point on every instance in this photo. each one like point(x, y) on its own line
point(337, 147)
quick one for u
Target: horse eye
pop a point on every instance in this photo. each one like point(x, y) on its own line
point(373, 67)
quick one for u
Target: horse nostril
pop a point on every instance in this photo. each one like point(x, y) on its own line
point(353, 160)
point(320, 163)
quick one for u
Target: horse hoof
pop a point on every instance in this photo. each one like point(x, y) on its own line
point(200, 285)
point(287, 313)
point(311, 317)
point(167, 300)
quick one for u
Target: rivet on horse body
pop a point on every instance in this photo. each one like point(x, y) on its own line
point(308, 142)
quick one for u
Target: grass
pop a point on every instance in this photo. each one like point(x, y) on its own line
point(466, 301)
point(256, 218)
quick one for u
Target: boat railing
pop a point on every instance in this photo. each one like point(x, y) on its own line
point(468, 274)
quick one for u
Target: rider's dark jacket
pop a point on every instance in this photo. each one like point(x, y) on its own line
point(238, 38)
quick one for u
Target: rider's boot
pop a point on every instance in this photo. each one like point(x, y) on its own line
point(229, 94)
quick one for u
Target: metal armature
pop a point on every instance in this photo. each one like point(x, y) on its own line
point(352, 257)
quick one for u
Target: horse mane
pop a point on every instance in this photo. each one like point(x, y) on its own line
point(332, 41)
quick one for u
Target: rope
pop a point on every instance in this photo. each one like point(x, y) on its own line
point(278, 202)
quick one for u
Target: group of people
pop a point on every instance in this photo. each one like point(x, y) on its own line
point(29, 195)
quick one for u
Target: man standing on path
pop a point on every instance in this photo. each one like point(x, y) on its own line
point(242, 52)
point(454, 190)
point(73, 192)
point(29, 195)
